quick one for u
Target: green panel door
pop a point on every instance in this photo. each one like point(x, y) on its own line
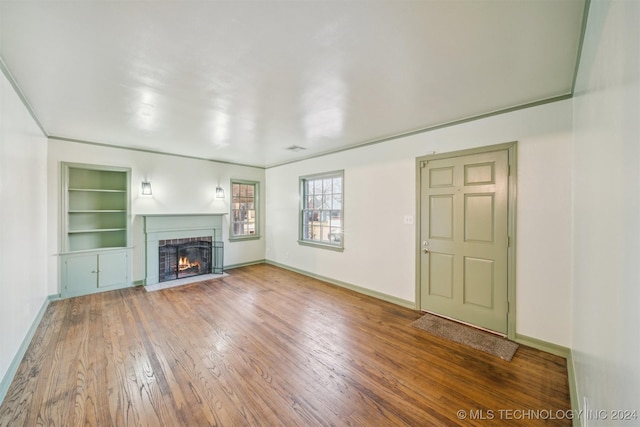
point(464, 238)
point(80, 274)
point(113, 269)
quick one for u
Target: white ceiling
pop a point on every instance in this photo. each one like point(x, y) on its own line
point(240, 81)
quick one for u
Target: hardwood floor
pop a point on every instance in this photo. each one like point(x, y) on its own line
point(265, 346)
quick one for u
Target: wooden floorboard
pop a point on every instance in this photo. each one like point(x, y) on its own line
point(267, 347)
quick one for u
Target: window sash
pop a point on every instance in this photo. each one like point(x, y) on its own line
point(321, 213)
point(244, 209)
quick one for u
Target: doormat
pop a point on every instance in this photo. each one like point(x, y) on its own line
point(185, 281)
point(467, 335)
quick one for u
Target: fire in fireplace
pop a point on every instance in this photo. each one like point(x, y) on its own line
point(179, 258)
point(185, 264)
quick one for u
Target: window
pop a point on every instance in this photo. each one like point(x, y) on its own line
point(244, 209)
point(321, 217)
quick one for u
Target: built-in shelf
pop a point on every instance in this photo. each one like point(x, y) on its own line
point(96, 207)
point(95, 242)
point(97, 230)
point(97, 211)
point(97, 190)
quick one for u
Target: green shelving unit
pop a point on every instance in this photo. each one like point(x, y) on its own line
point(95, 248)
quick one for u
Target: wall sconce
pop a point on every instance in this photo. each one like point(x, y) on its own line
point(146, 188)
point(219, 192)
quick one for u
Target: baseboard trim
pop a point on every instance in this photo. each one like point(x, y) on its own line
point(573, 390)
point(561, 351)
point(17, 359)
point(548, 347)
point(355, 288)
point(243, 264)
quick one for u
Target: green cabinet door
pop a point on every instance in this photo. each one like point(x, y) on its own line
point(91, 272)
point(112, 269)
point(80, 273)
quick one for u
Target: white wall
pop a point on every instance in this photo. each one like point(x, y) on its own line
point(23, 199)
point(606, 152)
point(380, 189)
point(180, 185)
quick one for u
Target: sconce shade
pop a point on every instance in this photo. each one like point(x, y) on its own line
point(146, 188)
point(219, 193)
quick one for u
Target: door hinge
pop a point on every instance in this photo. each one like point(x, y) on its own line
point(508, 241)
point(508, 170)
point(423, 164)
point(507, 306)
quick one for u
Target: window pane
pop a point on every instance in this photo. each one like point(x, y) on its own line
point(321, 231)
point(336, 202)
point(336, 219)
point(337, 185)
point(326, 186)
point(335, 235)
point(326, 202)
point(314, 230)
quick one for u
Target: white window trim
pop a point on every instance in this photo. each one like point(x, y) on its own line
point(313, 243)
point(256, 196)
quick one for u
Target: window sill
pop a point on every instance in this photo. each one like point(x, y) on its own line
point(244, 238)
point(321, 245)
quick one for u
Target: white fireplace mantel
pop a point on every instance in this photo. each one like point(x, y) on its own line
point(175, 226)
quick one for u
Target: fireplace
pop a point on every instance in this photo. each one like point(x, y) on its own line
point(182, 245)
point(179, 258)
